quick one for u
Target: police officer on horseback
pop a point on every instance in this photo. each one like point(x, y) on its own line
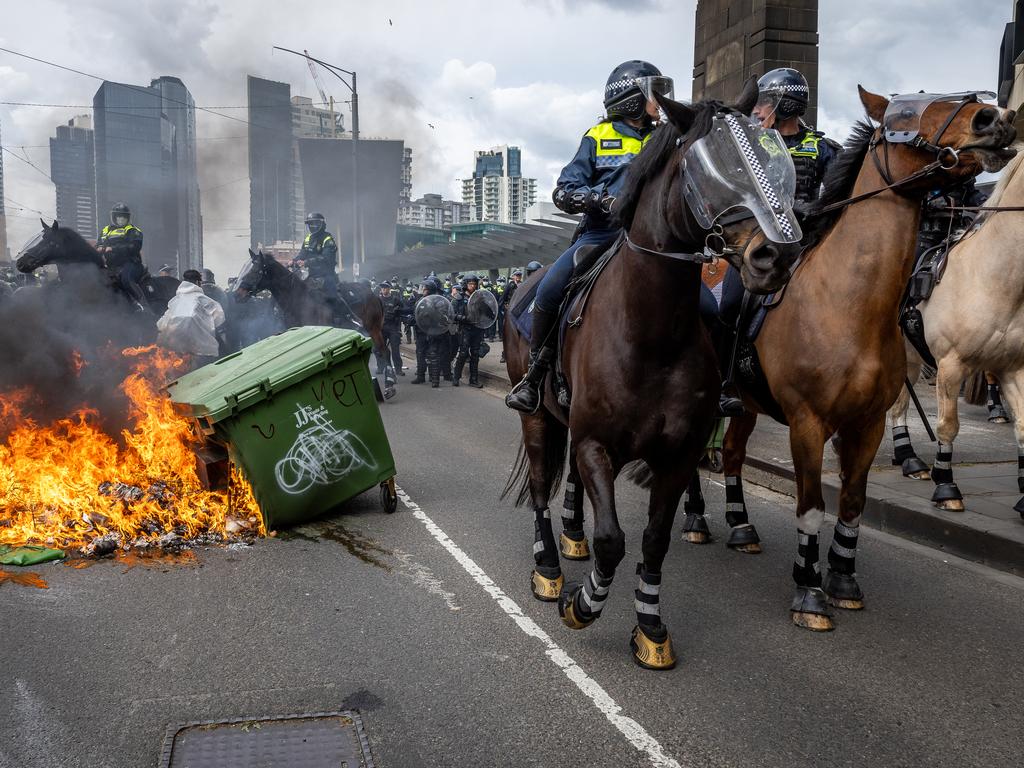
point(783, 97)
point(120, 242)
point(589, 185)
point(319, 254)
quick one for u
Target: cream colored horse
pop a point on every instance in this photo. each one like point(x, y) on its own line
point(974, 321)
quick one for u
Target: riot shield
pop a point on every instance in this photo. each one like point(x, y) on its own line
point(434, 315)
point(482, 309)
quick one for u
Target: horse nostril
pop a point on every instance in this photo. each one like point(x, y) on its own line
point(985, 120)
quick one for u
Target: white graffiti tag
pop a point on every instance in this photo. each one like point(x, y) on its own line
point(321, 454)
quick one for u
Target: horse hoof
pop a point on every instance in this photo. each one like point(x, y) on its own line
point(951, 505)
point(744, 539)
point(544, 589)
point(947, 496)
point(810, 610)
point(843, 591)
point(650, 653)
point(695, 529)
point(572, 549)
point(568, 610)
point(999, 420)
point(916, 469)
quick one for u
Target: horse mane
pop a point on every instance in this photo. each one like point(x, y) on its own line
point(1011, 168)
point(75, 243)
point(652, 158)
point(838, 184)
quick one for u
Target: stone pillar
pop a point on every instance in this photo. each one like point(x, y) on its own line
point(738, 38)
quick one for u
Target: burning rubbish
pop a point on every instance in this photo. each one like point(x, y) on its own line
point(75, 483)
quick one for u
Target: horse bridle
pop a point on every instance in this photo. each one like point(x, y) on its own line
point(946, 159)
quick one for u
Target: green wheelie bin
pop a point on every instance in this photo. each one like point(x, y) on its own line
point(298, 417)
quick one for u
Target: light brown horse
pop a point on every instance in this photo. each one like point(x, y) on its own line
point(644, 382)
point(832, 353)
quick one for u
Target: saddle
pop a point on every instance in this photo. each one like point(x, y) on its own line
point(928, 271)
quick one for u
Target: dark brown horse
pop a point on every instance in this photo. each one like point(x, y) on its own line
point(644, 383)
point(832, 353)
point(302, 306)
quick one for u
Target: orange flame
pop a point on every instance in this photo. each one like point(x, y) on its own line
point(68, 483)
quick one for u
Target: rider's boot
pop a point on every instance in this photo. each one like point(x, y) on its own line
point(138, 297)
point(526, 395)
point(727, 341)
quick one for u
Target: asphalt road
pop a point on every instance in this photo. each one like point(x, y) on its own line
point(423, 621)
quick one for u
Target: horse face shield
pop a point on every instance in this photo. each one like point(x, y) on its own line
point(738, 164)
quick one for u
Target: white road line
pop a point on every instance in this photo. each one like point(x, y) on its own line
point(635, 733)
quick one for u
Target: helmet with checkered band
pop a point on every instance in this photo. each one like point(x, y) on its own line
point(786, 91)
point(631, 85)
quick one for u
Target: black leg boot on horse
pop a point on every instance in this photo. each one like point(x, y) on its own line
point(526, 395)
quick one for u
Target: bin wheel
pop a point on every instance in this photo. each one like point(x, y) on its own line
point(388, 496)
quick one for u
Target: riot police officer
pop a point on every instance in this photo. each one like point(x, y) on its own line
point(319, 254)
point(428, 348)
point(469, 336)
point(120, 242)
point(394, 308)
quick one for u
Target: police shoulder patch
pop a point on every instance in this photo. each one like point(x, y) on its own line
point(611, 143)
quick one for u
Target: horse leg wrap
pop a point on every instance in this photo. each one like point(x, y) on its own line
point(693, 501)
point(1019, 507)
point(743, 536)
point(586, 603)
point(942, 474)
point(546, 580)
point(806, 572)
point(996, 411)
point(650, 642)
point(573, 541)
point(903, 453)
point(1020, 470)
point(646, 602)
point(841, 582)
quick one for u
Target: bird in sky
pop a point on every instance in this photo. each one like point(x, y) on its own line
point(431, 125)
point(390, 24)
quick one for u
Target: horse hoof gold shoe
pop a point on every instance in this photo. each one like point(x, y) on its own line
point(545, 589)
point(567, 610)
point(650, 654)
point(572, 549)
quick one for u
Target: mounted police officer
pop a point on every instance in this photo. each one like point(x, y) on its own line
point(469, 335)
point(319, 255)
point(120, 242)
point(783, 98)
point(589, 185)
point(394, 310)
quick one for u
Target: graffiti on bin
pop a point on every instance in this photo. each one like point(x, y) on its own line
point(345, 391)
point(321, 454)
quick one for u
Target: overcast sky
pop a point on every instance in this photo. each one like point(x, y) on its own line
point(525, 72)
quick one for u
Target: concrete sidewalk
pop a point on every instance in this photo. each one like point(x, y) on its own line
point(989, 531)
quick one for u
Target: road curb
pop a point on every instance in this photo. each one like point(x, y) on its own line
point(997, 544)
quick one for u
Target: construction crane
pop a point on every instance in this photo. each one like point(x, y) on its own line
point(323, 95)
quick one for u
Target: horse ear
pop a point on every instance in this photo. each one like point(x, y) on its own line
point(873, 103)
point(45, 225)
point(54, 227)
point(253, 256)
point(748, 98)
point(679, 114)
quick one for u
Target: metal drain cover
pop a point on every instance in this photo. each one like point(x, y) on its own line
point(321, 740)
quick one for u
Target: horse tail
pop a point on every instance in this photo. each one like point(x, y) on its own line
point(640, 473)
point(556, 441)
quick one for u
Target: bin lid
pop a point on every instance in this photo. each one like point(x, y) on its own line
point(220, 390)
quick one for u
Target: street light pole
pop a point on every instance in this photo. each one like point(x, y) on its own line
point(357, 240)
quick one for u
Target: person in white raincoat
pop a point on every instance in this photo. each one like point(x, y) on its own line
point(191, 322)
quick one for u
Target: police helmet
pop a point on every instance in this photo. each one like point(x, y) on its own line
point(517, 272)
point(532, 267)
point(385, 284)
point(120, 211)
point(470, 277)
point(631, 85)
point(315, 222)
point(786, 91)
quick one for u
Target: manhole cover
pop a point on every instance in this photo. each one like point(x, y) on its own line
point(322, 740)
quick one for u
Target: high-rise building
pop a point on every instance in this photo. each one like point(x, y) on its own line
point(4, 255)
point(736, 39)
point(405, 196)
point(144, 142)
point(433, 212)
point(73, 170)
point(497, 191)
point(272, 162)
